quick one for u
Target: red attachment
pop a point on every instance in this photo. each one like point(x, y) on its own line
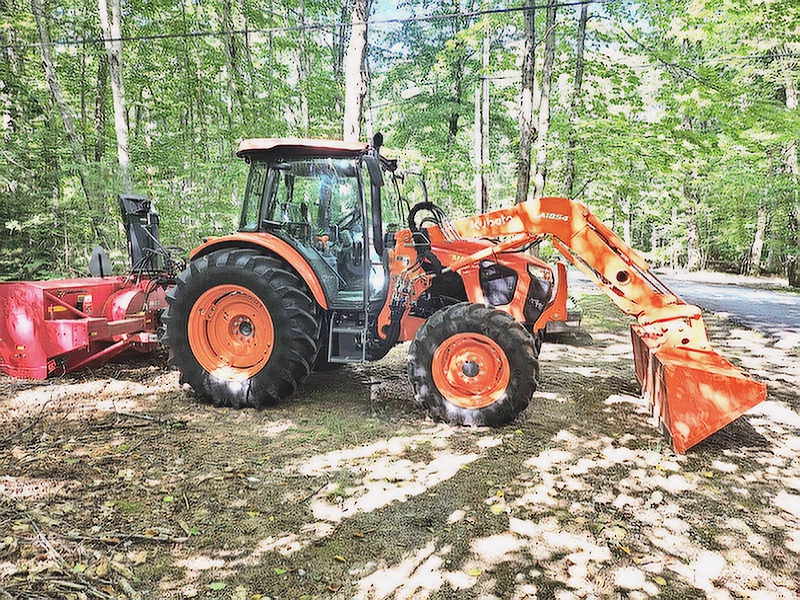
point(52, 327)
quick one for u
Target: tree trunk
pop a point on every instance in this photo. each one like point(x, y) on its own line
point(793, 271)
point(485, 100)
point(100, 111)
point(477, 150)
point(112, 37)
point(234, 54)
point(355, 72)
point(90, 191)
point(757, 249)
point(627, 214)
point(794, 169)
point(303, 69)
point(526, 128)
point(482, 129)
point(792, 102)
point(693, 255)
point(540, 178)
point(572, 142)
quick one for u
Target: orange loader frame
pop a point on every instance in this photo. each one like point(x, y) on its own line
point(691, 389)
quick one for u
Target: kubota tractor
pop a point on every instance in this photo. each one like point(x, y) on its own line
point(332, 263)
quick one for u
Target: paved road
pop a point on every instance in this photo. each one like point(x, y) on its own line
point(776, 314)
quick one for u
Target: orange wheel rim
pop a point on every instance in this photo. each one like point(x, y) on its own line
point(231, 332)
point(470, 370)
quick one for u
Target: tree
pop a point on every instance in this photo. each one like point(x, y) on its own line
point(569, 175)
point(540, 176)
point(355, 73)
point(92, 194)
point(112, 38)
point(527, 131)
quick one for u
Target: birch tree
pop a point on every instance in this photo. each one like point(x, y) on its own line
point(355, 80)
point(112, 39)
point(540, 177)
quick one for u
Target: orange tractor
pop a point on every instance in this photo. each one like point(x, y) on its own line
point(333, 264)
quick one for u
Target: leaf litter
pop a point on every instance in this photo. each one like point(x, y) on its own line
point(115, 483)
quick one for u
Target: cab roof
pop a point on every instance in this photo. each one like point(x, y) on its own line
point(299, 147)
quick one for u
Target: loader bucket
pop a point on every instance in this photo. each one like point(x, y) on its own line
point(693, 392)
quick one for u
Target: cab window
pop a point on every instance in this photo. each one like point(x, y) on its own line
point(252, 197)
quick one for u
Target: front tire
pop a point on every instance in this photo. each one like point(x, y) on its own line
point(242, 328)
point(471, 364)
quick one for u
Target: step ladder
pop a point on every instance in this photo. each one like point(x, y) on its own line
point(347, 339)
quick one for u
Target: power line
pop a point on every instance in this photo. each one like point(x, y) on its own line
point(309, 26)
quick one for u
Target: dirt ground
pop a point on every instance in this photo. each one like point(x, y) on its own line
point(115, 483)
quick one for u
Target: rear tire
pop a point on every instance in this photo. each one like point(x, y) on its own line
point(242, 328)
point(471, 364)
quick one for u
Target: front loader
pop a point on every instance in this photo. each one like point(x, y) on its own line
point(333, 263)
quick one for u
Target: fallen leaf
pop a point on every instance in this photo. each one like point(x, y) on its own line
point(121, 569)
point(279, 571)
point(217, 585)
point(110, 540)
point(101, 570)
point(660, 580)
point(497, 509)
point(79, 568)
point(168, 499)
point(474, 572)
point(339, 558)
point(138, 558)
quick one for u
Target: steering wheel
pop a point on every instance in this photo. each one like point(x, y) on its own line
point(435, 218)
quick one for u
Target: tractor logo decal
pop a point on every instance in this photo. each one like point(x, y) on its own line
point(553, 216)
point(487, 221)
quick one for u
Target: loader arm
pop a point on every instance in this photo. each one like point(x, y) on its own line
point(693, 390)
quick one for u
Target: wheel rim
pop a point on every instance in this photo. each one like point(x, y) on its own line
point(231, 332)
point(471, 370)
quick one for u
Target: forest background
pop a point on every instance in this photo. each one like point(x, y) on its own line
point(676, 120)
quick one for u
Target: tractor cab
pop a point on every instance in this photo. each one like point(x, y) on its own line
point(328, 201)
point(335, 203)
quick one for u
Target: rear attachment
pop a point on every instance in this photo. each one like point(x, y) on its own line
point(53, 327)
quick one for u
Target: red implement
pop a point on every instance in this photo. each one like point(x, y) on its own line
point(52, 327)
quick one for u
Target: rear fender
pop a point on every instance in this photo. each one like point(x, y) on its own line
point(273, 245)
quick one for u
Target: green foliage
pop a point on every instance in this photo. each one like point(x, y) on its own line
point(682, 118)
